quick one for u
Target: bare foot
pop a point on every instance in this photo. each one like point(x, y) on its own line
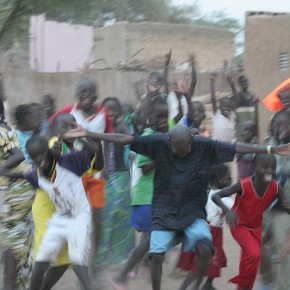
point(117, 285)
point(132, 274)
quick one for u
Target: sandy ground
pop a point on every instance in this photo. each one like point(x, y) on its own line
point(171, 279)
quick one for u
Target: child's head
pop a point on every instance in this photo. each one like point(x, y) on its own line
point(180, 140)
point(280, 126)
point(243, 82)
point(159, 115)
point(127, 109)
point(62, 123)
point(37, 148)
point(36, 116)
point(27, 117)
point(48, 105)
point(155, 82)
point(198, 113)
point(226, 106)
point(249, 131)
point(264, 166)
point(86, 93)
point(114, 108)
point(219, 176)
point(155, 78)
point(285, 98)
point(21, 117)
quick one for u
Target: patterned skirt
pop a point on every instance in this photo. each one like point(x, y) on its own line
point(118, 238)
point(16, 226)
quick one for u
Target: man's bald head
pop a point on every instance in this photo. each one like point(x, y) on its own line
point(180, 140)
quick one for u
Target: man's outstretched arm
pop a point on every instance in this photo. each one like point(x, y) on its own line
point(107, 137)
point(283, 150)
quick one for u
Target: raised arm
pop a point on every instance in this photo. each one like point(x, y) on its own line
point(231, 81)
point(16, 158)
point(166, 68)
point(231, 216)
point(11, 174)
point(193, 76)
point(283, 150)
point(212, 90)
point(179, 115)
point(190, 115)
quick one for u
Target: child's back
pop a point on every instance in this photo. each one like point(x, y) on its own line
point(224, 121)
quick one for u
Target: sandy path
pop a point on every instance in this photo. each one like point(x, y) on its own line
point(171, 278)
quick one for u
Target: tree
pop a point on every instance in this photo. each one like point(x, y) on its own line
point(219, 19)
point(11, 12)
point(183, 14)
point(15, 14)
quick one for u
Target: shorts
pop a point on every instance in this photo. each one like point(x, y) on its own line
point(162, 241)
point(95, 190)
point(75, 232)
point(188, 260)
point(141, 217)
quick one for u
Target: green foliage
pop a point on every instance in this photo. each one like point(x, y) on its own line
point(221, 20)
point(183, 14)
point(15, 14)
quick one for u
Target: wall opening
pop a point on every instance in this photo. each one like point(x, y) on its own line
point(283, 61)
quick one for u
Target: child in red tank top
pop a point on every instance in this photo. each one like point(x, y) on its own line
point(254, 194)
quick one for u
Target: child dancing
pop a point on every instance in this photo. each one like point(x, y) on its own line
point(71, 223)
point(254, 194)
point(219, 177)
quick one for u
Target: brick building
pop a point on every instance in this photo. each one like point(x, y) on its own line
point(266, 60)
point(148, 42)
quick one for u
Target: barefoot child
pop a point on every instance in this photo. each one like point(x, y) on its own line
point(117, 238)
point(224, 118)
point(196, 111)
point(174, 99)
point(92, 116)
point(219, 177)
point(254, 194)
point(71, 223)
point(60, 125)
point(245, 104)
point(142, 193)
point(276, 222)
point(44, 208)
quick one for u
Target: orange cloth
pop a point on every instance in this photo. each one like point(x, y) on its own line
point(95, 190)
point(272, 101)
